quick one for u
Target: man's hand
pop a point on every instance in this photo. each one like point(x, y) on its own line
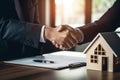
point(63, 37)
point(72, 38)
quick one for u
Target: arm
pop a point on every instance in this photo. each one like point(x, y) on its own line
point(108, 22)
point(22, 32)
point(29, 34)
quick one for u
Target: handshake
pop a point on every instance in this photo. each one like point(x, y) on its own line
point(63, 37)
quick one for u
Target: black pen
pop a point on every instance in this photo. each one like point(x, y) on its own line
point(78, 64)
point(43, 61)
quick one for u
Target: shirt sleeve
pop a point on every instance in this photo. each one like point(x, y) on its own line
point(42, 39)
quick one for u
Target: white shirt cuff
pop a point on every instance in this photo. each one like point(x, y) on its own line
point(42, 39)
point(82, 35)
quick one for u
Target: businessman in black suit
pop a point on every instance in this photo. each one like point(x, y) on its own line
point(19, 37)
point(21, 34)
point(107, 23)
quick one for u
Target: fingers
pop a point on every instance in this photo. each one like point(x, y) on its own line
point(60, 28)
point(66, 44)
point(68, 41)
point(75, 37)
point(72, 32)
point(69, 44)
point(66, 38)
point(54, 43)
point(58, 46)
point(63, 28)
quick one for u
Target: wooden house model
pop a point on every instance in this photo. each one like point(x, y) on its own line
point(103, 53)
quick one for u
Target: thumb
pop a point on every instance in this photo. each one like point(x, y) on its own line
point(54, 43)
point(60, 28)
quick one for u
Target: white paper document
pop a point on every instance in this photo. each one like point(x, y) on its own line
point(61, 59)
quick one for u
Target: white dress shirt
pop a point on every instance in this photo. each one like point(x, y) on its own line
point(42, 38)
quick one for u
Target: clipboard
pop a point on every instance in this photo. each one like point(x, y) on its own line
point(62, 59)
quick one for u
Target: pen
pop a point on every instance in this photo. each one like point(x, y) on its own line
point(43, 61)
point(78, 64)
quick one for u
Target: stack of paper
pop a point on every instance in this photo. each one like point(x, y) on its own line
point(61, 59)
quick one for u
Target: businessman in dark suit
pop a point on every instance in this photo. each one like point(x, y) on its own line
point(17, 37)
point(21, 34)
point(107, 23)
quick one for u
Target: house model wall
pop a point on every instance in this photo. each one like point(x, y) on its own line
point(100, 55)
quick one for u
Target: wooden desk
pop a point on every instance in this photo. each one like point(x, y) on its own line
point(17, 72)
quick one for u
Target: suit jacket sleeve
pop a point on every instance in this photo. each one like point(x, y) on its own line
point(22, 32)
point(108, 22)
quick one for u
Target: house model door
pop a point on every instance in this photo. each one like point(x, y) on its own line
point(104, 63)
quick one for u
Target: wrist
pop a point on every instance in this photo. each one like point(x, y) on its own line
point(80, 34)
point(48, 34)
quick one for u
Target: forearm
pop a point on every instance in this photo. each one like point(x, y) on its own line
point(22, 32)
point(107, 23)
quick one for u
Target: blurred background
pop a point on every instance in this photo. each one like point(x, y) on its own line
point(72, 12)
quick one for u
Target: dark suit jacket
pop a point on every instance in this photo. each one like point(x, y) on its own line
point(107, 23)
point(19, 38)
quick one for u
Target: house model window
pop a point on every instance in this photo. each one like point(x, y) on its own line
point(94, 59)
point(98, 51)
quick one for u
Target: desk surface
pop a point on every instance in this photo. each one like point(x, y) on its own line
point(17, 72)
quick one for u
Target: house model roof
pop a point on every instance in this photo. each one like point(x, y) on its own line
point(112, 39)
